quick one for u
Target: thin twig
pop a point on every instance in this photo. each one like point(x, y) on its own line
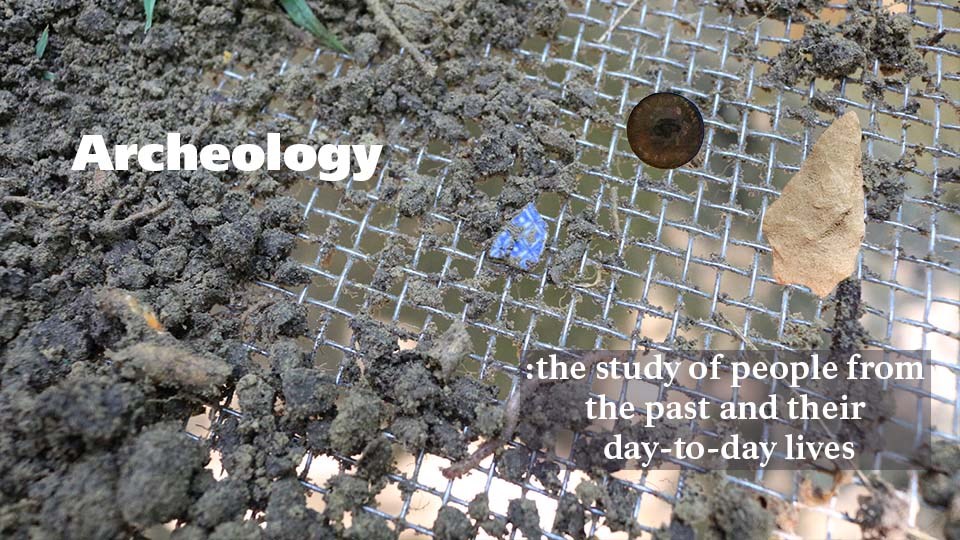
point(723, 321)
point(146, 213)
point(511, 417)
point(615, 208)
point(111, 225)
point(380, 15)
point(195, 136)
point(616, 23)
point(27, 201)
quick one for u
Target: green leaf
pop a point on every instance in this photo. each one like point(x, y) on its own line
point(301, 14)
point(42, 42)
point(148, 6)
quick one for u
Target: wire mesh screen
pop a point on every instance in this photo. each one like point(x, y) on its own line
point(678, 259)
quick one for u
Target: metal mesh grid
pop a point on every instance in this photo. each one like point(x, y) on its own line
point(691, 242)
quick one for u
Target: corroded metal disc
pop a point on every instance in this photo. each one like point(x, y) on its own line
point(665, 130)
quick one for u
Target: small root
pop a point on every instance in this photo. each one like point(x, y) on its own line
point(145, 214)
point(462, 467)
point(615, 208)
point(197, 133)
point(384, 20)
point(597, 279)
point(616, 23)
point(511, 417)
point(111, 225)
point(27, 201)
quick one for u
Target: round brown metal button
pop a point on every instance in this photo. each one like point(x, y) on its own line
point(665, 130)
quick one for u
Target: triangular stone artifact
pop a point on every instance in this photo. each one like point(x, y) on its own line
point(816, 226)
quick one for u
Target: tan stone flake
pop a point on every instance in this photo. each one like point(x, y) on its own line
point(816, 226)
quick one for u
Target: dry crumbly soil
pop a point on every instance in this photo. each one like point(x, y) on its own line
point(127, 296)
point(126, 293)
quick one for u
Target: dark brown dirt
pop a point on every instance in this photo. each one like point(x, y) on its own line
point(847, 337)
point(712, 507)
point(833, 52)
point(452, 524)
point(777, 9)
point(571, 517)
point(126, 298)
point(884, 188)
point(523, 515)
point(939, 482)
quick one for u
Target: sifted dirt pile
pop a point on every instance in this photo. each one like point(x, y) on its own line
point(126, 298)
